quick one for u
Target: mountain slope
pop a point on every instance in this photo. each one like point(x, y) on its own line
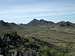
point(37, 23)
point(65, 24)
point(8, 26)
point(41, 22)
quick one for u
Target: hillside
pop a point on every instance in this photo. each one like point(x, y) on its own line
point(5, 26)
point(13, 44)
point(50, 37)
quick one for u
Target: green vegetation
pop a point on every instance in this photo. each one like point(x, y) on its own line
point(37, 38)
point(13, 44)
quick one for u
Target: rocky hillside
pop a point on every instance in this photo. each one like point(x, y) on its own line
point(12, 44)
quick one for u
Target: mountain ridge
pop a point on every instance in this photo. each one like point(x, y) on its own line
point(36, 22)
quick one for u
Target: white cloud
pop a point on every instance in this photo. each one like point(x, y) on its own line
point(35, 8)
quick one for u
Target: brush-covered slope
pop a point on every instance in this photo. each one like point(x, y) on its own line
point(13, 44)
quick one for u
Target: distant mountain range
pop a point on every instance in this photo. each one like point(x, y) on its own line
point(43, 22)
point(36, 22)
point(8, 26)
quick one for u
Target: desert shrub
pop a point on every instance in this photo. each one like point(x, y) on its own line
point(28, 46)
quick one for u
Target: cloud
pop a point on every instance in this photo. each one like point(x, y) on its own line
point(35, 8)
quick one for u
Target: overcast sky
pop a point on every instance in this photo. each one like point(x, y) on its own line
point(23, 11)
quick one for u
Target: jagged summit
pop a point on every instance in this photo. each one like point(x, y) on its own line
point(5, 25)
point(67, 23)
point(36, 22)
point(2, 22)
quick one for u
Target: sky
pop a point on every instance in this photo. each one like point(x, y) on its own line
point(23, 11)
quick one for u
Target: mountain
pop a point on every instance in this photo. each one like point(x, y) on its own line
point(8, 26)
point(65, 24)
point(2, 23)
point(41, 22)
point(35, 22)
